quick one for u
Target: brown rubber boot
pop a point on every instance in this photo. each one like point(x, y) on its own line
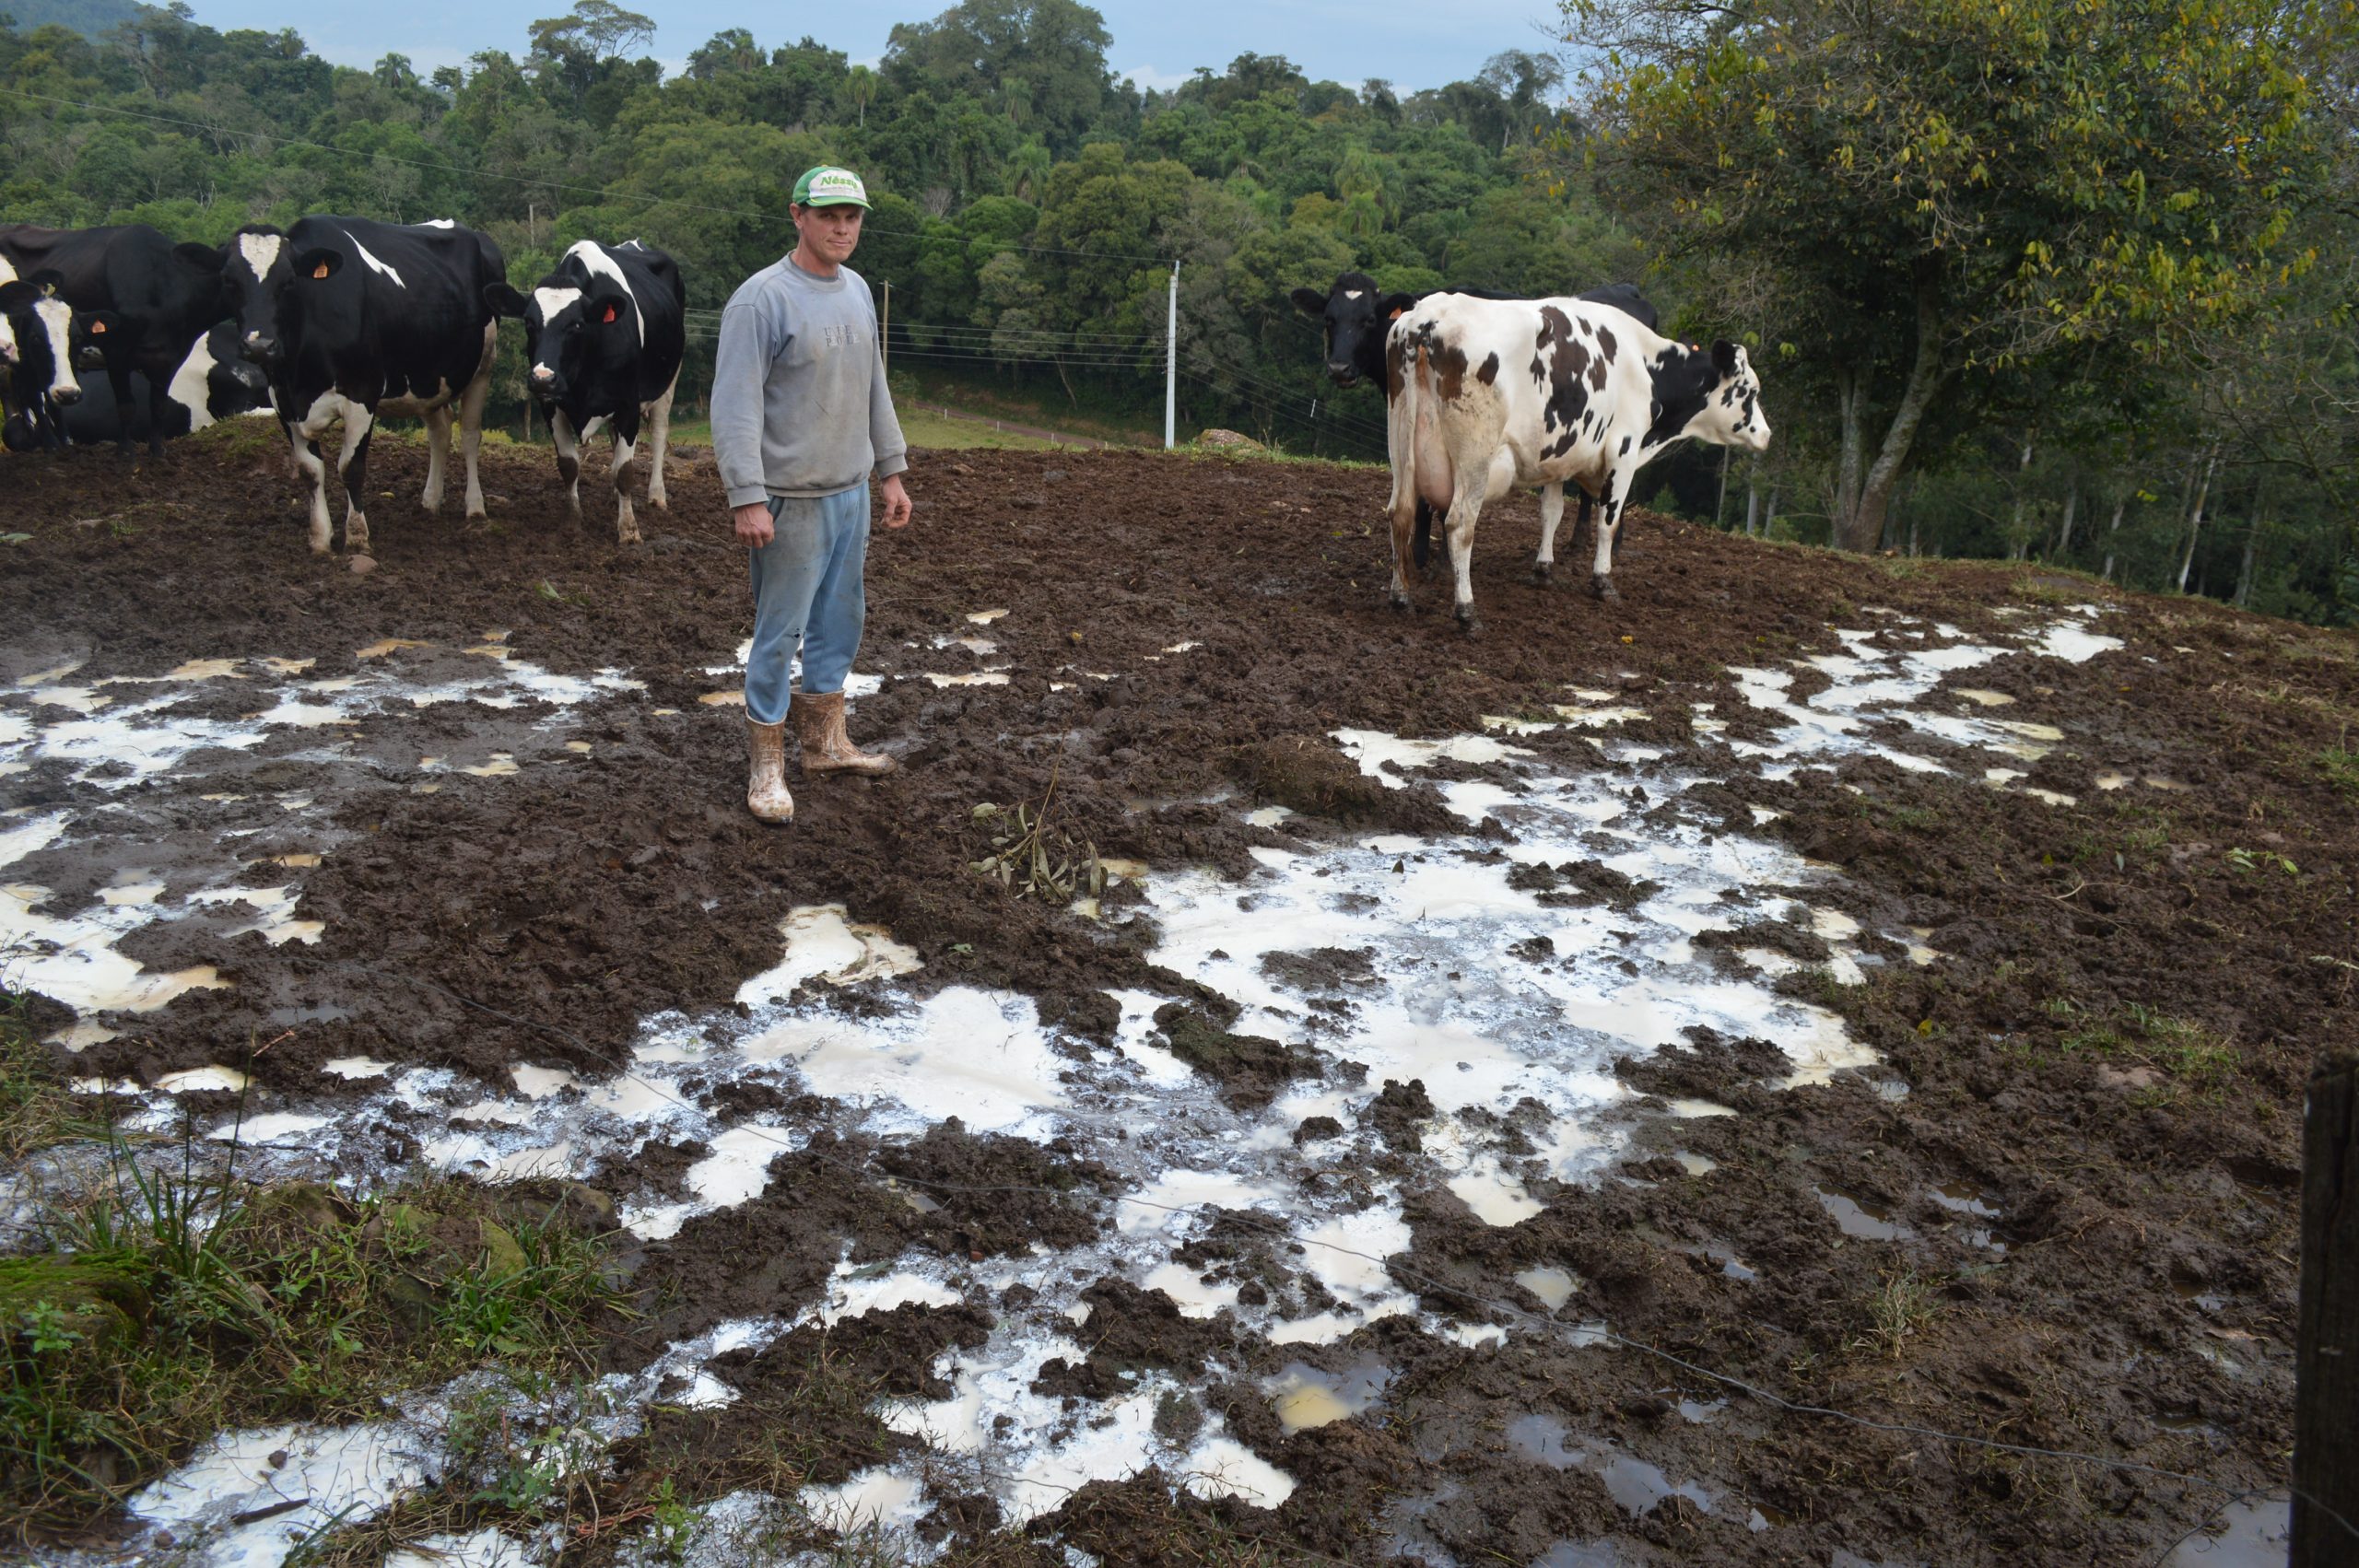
point(766, 794)
point(819, 726)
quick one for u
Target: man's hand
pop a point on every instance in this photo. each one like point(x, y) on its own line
point(754, 526)
point(897, 502)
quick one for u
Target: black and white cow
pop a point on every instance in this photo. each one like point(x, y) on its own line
point(1483, 395)
point(38, 340)
point(147, 300)
point(1355, 315)
point(355, 319)
point(215, 382)
point(606, 334)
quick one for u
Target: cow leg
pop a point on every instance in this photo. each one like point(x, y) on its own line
point(626, 440)
point(438, 457)
point(471, 433)
point(568, 460)
point(1425, 541)
point(158, 400)
point(1465, 510)
point(659, 417)
point(1608, 525)
point(352, 466)
point(119, 382)
point(1552, 512)
point(1404, 511)
point(305, 450)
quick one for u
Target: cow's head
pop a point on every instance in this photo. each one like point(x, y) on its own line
point(1735, 413)
point(1356, 316)
point(217, 379)
point(44, 327)
point(569, 328)
point(1709, 393)
point(267, 279)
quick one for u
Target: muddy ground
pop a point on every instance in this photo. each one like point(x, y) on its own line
point(2069, 1185)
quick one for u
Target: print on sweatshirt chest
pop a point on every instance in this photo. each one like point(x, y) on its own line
point(816, 342)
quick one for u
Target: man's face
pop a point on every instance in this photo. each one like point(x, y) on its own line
point(829, 233)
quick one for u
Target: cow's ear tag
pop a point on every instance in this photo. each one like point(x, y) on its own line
point(1398, 311)
point(320, 270)
point(608, 318)
point(96, 327)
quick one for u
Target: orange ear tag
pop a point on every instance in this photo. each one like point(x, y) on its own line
point(608, 320)
point(1396, 315)
point(320, 270)
point(96, 327)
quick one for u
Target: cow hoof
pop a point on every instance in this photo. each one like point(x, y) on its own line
point(1603, 587)
point(659, 503)
point(1543, 572)
point(629, 536)
point(1399, 601)
point(1466, 621)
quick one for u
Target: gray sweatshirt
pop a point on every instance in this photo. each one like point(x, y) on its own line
point(799, 401)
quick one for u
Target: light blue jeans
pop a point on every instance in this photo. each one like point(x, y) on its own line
point(807, 595)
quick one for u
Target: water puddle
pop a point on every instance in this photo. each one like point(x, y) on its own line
point(1554, 1287)
point(822, 945)
point(1637, 1486)
point(1861, 1218)
point(2253, 1534)
point(1304, 1397)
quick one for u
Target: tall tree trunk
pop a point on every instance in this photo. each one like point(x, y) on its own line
point(2018, 540)
point(2252, 549)
point(2120, 505)
point(1861, 528)
point(1850, 398)
point(2195, 517)
point(2064, 529)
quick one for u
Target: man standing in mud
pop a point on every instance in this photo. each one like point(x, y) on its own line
point(800, 418)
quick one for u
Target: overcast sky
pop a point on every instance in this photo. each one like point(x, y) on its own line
point(1414, 45)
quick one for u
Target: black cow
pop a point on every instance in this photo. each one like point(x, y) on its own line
point(37, 338)
point(148, 299)
point(354, 320)
point(215, 382)
point(606, 334)
point(1357, 315)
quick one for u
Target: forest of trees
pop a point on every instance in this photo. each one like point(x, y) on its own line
point(2112, 333)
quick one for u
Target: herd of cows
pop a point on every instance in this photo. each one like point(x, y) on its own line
point(343, 321)
point(336, 320)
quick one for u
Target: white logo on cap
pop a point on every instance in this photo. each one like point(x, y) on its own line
point(837, 182)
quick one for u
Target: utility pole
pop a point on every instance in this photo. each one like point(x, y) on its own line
point(2326, 1352)
point(1171, 365)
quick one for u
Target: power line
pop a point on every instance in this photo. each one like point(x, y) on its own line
point(602, 194)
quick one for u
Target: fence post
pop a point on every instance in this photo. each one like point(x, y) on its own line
point(1171, 363)
point(2326, 1345)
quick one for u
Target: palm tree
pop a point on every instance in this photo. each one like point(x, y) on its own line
point(860, 86)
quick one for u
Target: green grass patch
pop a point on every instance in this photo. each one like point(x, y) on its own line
point(2341, 766)
point(36, 1111)
point(2187, 1055)
point(179, 1301)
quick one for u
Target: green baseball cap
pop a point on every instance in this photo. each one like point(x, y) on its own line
point(827, 186)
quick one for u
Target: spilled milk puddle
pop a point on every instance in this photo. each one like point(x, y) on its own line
point(1459, 971)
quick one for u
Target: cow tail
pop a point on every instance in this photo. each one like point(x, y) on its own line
point(1401, 444)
